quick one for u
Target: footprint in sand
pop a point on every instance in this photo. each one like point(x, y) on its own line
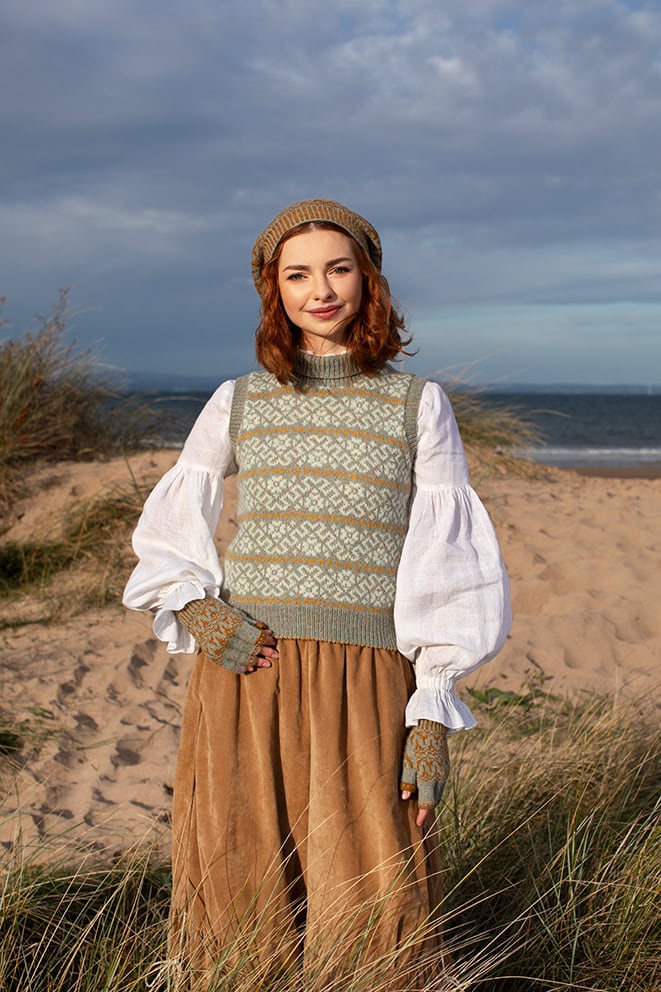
point(125, 754)
point(85, 722)
point(132, 676)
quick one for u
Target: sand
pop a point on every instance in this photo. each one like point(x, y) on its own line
point(105, 698)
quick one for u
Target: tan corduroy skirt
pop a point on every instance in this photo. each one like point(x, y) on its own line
point(291, 843)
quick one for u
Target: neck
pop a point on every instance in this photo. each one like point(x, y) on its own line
point(324, 346)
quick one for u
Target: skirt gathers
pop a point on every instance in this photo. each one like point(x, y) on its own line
point(291, 843)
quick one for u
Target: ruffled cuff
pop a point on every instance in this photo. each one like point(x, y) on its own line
point(435, 699)
point(167, 626)
point(225, 634)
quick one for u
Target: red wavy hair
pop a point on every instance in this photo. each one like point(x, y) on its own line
point(376, 335)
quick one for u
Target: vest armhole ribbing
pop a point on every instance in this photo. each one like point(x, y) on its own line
point(413, 398)
point(238, 403)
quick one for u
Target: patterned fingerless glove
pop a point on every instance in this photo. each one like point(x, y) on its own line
point(225, 634)
point(426, 764)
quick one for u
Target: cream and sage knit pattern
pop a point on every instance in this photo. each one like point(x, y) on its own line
point(324, 489)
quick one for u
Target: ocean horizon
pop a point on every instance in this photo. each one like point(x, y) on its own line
point(175, 382)
point(608, 429)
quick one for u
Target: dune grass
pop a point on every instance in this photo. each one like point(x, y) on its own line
point(492, 433)
point(552, 853)
point(86, 566)
point(55, 403)
point(557, 839)
point(484, 424)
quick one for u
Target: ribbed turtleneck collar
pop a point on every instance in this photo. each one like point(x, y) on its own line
point(321, 369)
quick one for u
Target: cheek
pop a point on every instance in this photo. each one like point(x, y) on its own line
point(288, 297)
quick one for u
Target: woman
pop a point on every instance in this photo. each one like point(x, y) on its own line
point(312, 749)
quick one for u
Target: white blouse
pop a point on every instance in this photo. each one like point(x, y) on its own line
point(452, 609)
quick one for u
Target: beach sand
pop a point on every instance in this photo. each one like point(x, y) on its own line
point(105, 698)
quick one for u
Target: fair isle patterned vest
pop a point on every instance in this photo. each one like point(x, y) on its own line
point(324, 489)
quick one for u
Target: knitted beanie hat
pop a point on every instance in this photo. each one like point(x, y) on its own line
point(303, 212)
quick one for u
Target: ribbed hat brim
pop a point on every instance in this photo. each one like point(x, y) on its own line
point(303, 212)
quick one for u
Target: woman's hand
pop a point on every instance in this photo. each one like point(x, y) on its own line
point(421, 818)
point(266, 653)
point(426, 766)
point(229, 636)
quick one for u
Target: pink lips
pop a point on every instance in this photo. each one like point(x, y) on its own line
point(325, 313)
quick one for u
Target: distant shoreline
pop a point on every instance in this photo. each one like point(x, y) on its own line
point(615, 472)
point(177, 383)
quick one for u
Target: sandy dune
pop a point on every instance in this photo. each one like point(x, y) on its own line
point(583, 558)
point(105, 697)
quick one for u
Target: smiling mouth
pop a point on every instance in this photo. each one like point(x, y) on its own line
point(325, 312)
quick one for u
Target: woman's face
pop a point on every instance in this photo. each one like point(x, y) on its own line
point(321, 287)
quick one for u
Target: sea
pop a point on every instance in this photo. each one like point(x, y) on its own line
point(589, 430)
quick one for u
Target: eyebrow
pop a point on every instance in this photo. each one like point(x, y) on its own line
point(329, 264)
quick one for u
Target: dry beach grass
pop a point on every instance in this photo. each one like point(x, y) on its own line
point(551, 842)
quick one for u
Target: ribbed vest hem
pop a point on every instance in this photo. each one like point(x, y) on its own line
point(345, 625)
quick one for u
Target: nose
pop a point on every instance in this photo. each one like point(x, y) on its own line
point(321, 287)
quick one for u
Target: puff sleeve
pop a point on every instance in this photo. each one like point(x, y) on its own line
point(452, 606)
point(174, 538)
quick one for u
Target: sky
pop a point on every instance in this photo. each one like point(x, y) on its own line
point(507, 151)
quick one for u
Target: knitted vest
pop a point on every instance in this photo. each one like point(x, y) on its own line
point(324, 479)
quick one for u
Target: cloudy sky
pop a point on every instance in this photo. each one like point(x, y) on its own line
point(508, 151)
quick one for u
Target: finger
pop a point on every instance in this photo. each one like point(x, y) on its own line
point(421, 818)
point(254, 665)
point(406, 795)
